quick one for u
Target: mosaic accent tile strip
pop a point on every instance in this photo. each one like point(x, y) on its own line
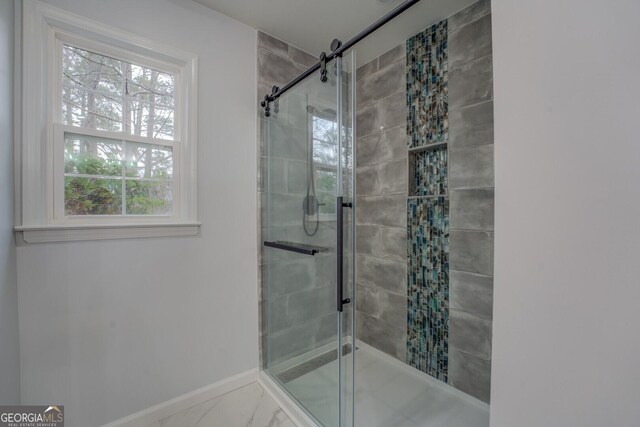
point(430, 172)
point(427, 86)
point(428, 285)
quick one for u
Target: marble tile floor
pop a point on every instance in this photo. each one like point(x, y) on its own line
point(248, 406)
point(390, 394)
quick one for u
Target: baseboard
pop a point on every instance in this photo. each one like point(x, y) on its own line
point(180, 403)
point(299, 417)
point(413, 371)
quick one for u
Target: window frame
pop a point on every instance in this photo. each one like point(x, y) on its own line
point(59, 130)
point(46, 30)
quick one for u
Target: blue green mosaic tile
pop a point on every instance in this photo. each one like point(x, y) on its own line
point(430, 172)
point(427, 87)
point(428, 285)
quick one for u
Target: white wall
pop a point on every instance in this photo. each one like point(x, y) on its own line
point(567, 254)
point(111, 327)
point(9, 348)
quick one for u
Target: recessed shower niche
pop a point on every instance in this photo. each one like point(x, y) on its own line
point(428, 171)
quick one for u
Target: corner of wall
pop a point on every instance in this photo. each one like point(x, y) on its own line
point(9, 335)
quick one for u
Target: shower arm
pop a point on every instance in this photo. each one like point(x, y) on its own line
point(340, 48)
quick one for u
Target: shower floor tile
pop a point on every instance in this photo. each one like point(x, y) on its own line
point(390, 394)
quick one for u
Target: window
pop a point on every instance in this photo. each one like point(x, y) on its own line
point(118, 136)
point(108, 131)
point(325, 158)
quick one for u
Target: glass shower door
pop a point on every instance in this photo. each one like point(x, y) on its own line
point(308, 245)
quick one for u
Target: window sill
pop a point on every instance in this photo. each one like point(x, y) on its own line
point(72, 233)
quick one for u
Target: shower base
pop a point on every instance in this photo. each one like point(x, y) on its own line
point(390, 393)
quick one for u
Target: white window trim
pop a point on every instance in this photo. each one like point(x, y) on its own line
point(43, 29)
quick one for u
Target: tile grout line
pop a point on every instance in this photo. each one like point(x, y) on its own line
point(472, 61)
point(470, 354)
point(457, 29)
point(472, 314)
point(475, 104)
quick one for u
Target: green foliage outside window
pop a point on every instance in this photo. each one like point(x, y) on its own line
point(93, 196)
point(94, 178)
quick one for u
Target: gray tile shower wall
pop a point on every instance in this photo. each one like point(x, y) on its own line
point(381, 219)
point(383, 166)
point(299, 313)
point(472, 199)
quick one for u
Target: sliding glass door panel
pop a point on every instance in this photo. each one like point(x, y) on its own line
point(308, 248)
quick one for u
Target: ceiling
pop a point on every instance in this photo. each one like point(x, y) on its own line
point(311, 24)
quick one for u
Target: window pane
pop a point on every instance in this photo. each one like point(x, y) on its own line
point(97, 90)
point(325, 140)
point(325, 153)
point(151, 120)
point(326, 182)
point(92, 196)
point(91, 110)
point(112, 176)
point(325, 130)
point(149, 197)
point(148, 161)
point(164, 100)
point(83, 69)
point(142, 81)
point(152, 105)
point(87, 155)
point(327, 203)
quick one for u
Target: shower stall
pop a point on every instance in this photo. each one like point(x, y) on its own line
point(376, 225)
point(309, 229)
